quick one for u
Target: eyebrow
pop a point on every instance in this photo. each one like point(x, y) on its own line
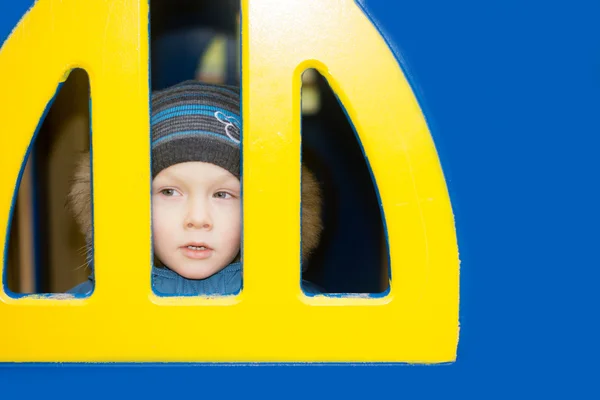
point(228, 178)
point(223, 179)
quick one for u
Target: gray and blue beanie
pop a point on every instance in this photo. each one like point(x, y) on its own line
point(195, 121)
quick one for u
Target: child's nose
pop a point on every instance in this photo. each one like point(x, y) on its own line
point(198, 217)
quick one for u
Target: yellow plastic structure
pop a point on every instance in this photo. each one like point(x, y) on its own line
point(271, 320)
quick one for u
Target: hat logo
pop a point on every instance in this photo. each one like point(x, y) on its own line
point(232, 125)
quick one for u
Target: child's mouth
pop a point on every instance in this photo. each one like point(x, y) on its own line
point(196, 252)
point(196, 247)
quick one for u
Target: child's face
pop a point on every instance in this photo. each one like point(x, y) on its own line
point(196, 216)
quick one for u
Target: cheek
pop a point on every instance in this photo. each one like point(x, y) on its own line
point(156, 219)
point(235, 232)
point(230, 226)
point(164, 220)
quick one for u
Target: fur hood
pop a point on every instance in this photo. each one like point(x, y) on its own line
point(80, 202)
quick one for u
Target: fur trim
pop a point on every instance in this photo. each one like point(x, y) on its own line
point(80, 201)
point(312, 204)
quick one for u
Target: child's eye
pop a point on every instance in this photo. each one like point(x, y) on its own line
point(222, 195)
point(169, 192)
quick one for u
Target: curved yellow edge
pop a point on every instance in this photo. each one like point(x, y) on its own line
point(271, 320)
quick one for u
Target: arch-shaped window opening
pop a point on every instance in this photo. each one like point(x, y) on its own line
point(352, 256)
point(46, 249)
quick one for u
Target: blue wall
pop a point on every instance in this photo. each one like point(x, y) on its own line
point(511, 90)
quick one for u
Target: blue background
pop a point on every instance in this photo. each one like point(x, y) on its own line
point(511, 91)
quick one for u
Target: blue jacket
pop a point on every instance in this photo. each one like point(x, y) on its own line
point(166, 282)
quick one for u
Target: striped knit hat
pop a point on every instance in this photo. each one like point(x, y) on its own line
point(194, 121)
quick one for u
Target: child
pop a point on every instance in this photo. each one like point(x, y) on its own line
point(196, 194)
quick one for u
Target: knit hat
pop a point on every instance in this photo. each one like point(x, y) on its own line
point(194, 121)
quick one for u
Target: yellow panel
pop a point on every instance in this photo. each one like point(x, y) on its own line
point(271, 320)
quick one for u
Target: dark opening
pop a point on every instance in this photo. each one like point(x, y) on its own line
point(46, 250)
point(352, 255)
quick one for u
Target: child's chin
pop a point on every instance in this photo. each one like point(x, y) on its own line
point(197, 272)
